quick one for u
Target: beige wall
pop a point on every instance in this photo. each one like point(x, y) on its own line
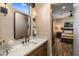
point(59, 23)
point(6, 25)
point(44, 23)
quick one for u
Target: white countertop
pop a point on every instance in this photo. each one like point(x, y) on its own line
point(21, 50)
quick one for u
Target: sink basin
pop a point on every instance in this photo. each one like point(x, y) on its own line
point(30, 44)
point(33, 42)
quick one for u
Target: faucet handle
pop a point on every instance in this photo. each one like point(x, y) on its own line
point(25, 40)
point(28, 39)
point(22, 42)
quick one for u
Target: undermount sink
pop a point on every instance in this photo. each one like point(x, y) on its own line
point(30, 44)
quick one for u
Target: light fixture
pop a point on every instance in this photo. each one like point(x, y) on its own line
point(3, 9)
point(63, 7)
point(34, 13)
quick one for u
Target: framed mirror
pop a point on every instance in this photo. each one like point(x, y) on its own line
point(21, 25)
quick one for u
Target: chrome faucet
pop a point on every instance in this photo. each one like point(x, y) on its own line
point(25, 40)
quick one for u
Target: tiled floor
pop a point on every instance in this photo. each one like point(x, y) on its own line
point(62, 49)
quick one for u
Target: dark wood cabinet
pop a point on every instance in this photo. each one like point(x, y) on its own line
point(40, 51)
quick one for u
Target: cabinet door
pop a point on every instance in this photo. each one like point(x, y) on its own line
point(45, 49)
point(41, 51)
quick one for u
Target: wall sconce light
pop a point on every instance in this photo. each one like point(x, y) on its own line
point(4, 10)
point(34, 13)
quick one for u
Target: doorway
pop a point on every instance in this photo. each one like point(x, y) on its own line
point(62, 29)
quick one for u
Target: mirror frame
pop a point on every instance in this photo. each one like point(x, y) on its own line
point(28, 26)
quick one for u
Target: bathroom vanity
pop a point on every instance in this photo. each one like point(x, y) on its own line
point(36, 47)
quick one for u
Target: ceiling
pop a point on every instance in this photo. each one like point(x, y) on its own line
point(62, 9)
